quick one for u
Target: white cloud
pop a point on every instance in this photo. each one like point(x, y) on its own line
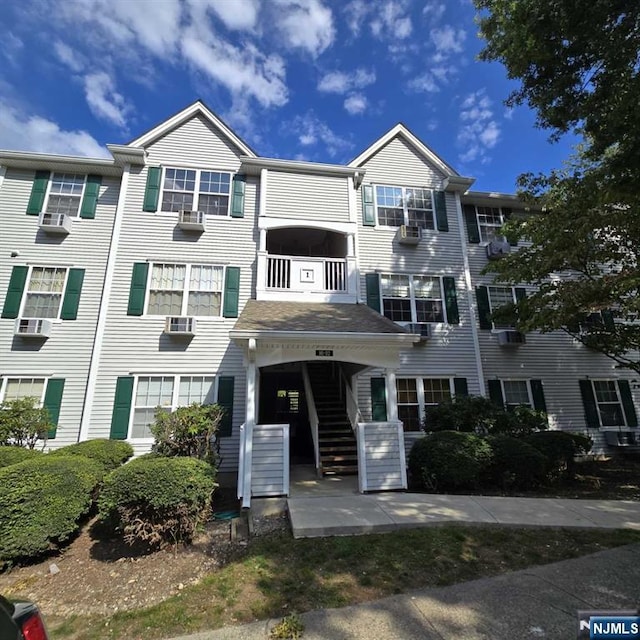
point(355, 103)
point(19, 130)
point(448, 40)
point(103, 99)
point(424, 83)
point(68, 56)
point(478, 132)
point(355, 12)
point(11, 46)
point(342, 82)
point(312, 131)
point(305, 24)
point(433, 10)
point(392, 20)
point(237, 15)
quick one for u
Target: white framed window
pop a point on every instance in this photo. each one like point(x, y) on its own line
point(609, 403)
point(412, 206)
point(412, 298)
point(168, 393)
point(44, 291)
point(499, 297)
point(196, 190)
point(516, 393)
point(65, 193)
point(490, 221)
point(416, 394)
point(23, 387)
point(185, 290)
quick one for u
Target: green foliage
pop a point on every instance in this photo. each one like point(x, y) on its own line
point(12, 455)
point(289, 628)
point(109, 453)
point(22, 422)
point(560, 448)
point(515, 464)
point(41, 503)
point(158, 500)
point(449, 460)
point(476, 414)
point(188, 431)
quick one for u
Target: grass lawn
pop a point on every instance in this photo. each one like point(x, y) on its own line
point(277, 575)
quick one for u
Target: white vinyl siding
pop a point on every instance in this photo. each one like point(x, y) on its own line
point(197, 190)
point(65, 193)
point(396, 206)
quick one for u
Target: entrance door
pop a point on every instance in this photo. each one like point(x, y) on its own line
point(282, 400)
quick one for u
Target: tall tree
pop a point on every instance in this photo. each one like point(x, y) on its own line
point(579, 68)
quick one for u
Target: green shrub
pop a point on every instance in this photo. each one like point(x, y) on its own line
point(560, 448)
point(109, 453)
point(473, 414)
point(12, 455)
point(188, 431)
point(23, 422)
point(449, 460)
point(519, 422)
point(515, 464)
point(158, 500)
point(42, 501)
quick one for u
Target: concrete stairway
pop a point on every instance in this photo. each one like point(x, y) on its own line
point(338, 450)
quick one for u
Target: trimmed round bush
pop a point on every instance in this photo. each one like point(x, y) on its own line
point(110, 454)
point(515, 464)
point(41, 503)
point(560, 448)
point(157, 500)
point(449, 460)
point(11, 455)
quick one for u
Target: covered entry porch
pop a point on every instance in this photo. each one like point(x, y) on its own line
point(303, 361)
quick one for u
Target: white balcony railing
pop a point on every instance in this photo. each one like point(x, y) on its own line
point(307, 274)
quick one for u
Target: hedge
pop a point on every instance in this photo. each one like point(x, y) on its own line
point(110, 454)
point(12, 454)
point(560, 449)
point(157, 500)
point(515, 464)
point(42, 501)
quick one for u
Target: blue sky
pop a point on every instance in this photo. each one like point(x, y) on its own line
point(318, 80)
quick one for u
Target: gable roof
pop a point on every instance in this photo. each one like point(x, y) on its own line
point(197, 108)
point(401, 131)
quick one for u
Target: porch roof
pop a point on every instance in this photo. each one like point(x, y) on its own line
point(265, 316)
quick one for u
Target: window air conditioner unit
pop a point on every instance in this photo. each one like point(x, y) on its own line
point(55, 223)
point(423, 329)
point(497, 249)
point(180, 326)
point(511, 338)
point(409, 234)
point(33, 327)
point(191, 220)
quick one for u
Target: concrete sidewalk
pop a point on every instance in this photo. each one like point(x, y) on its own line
point(317, 516)
point(540, 602)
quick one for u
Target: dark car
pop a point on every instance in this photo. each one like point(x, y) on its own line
point(21, 621)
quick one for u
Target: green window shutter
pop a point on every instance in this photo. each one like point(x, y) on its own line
point(72, 294)
point(441, 211)
point(90, 198)
point(38, 192)
point(378, 400)
point(53, 401)
point(537, 392)
point(484, 308)
point(473, 231)
point(237, 199)
point(373, 291)
point(521, 293)
point(627, 403)
point(152, 190)
point(495, 392)
point(231, 292)
point(450, 300)
point(589, 403)
point(225, 400)
point(121, 408)
point(460, 387)
point(368, 210)
point(506, 214)
point(607, 319)
point(15, 290)
point(138, 289)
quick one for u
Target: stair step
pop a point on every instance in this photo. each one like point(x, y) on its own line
point(336, 448)
point(340, 470)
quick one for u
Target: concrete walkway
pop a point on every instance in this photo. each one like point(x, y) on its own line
point(541, 602)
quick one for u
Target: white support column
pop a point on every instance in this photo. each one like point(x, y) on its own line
point(392, 395)
point(262, 202)
point(263, 240)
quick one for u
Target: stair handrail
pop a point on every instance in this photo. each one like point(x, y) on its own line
point(353, 411)
point(313, 416)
